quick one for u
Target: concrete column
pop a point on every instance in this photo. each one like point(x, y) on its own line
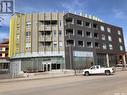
point(107, 59)
point(124, 60)
point(43, 66)
point(46, 66)
point(15, 68)
point(50, 66)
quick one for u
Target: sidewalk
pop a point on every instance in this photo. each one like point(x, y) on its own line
point(46, 75)
point(37, 76)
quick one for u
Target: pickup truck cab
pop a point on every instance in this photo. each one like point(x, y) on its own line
point(97, 69)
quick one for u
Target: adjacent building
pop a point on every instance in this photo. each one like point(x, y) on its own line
point(4, 59)
point(48, 41)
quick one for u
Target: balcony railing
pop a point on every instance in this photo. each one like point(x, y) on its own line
point(45, 38)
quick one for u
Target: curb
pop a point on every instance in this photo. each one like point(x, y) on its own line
point(28, 79)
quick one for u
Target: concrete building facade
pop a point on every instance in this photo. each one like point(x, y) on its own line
point(48, 41)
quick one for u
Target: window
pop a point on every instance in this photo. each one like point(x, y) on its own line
point(97, 67)
point(121, 48)
point(93, 67)
point(102, 28)
point(104, 46)
point(3, 48)
point(95, 25)
point(69, 20)
point(70, 42)
point(60, 32)
point(120, 40)
point(89, 44)
point(17, 37)
point(89, 34)
point(87, 24)
point(79, 22)
point(28, 45)
point(54, 22)
point(60, 35)
point(28, 23)
point(109, 30)
point(28, 33)
point(109, 38)
point(96, 35)
point(42, 33)
point(60, 23)
point(18, 26)
point(47, 44)
point(54, 33)
point(7, 49)
point(110, 47)
point(55, 44)
point(49, 22)
point(69, 32)
point(103, 37)
point(3, 54)
point(80, 43)
point(80, 32)
point(97, 45)
point(60, 44)
point(47, 33)
point(119, 32)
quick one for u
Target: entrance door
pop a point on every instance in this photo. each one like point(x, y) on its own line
point(46, 66)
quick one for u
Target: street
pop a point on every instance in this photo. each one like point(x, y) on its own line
point(74, 85)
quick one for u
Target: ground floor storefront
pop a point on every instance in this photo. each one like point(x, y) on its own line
point(106, 60)
point(102, 59)
point(78, 60)
point(36, 64)
point(109, 59)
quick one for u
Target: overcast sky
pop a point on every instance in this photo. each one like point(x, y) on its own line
point(111, 11)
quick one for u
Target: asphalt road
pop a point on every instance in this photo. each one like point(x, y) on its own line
point(73, 85)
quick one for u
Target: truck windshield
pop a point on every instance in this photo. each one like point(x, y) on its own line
point(93, 67)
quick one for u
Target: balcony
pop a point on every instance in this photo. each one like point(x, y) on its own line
point(45, 38)
point(41, 27)
point(47, 27)
point(69, 21)
point(45, 46)
point(69, 32)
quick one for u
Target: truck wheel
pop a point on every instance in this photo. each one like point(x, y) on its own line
point(86, 73)
point(107, 72)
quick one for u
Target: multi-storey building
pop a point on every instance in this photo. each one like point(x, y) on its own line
point(4, 59)
point(47, 41)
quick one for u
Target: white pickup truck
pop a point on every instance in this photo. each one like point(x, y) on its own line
point(97, 69)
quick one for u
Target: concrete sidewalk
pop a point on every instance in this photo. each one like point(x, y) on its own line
point(46, 75)
point(43, 75)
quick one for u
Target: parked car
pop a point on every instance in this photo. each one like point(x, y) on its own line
point(97, 69)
